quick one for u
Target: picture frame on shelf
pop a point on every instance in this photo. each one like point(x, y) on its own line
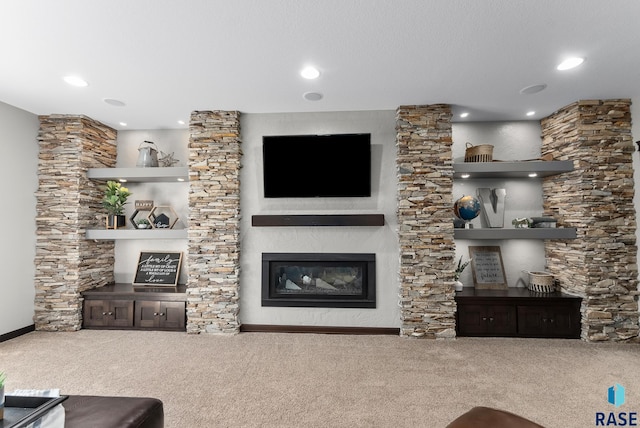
point(487, 268)
point(158, 268)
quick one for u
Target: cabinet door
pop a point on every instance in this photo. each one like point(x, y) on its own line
point(108, 313)
point(121, 313)
point(147, 314)
point(174, 315)
point(95, 313)
point(562, 321)
point(486, 320)
point(553, 321)
point(164, 315)
point(472, 320)
point(532, 321)
point(501, 320)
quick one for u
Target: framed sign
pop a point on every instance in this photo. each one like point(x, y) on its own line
point(158, 268)
point(487, 268)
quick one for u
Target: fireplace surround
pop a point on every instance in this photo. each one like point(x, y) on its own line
point(331, 280)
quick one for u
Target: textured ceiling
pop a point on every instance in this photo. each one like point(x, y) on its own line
point(166, 58)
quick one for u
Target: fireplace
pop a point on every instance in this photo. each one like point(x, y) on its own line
point(330, 280)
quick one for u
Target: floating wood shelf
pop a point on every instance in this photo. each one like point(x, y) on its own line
point(318, 220)
point(520, 169)
point(140, 175)
point(525, 233)
point(110, 234)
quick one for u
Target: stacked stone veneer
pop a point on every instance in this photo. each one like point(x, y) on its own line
point(427, 248)
point(597, 199)
point(66, 264)
point(214, 222)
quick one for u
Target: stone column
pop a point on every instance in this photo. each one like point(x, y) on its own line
point(427, 248)
point(214, 222)
point(597, 199)
point(67, 204)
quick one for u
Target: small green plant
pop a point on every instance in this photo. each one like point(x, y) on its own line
point(115, 197)
point(460, 268)
point(3, 377)
point(143, 221)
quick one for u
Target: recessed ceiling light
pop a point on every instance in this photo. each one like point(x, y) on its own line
point(533, 174)
point(312, 96)
point(531, 113)
point(122, 180)
point(463, 115)
point(123, 123)
point(112, 102)
point(76, 81)
point(465, 176)
point(310, 73)
point(533, 89)
point(570, 63)
point(181, 122)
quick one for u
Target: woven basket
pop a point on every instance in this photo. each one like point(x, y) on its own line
point(481, 153)
point(541, 282)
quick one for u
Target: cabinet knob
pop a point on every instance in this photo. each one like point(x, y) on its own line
point(491, 319)
point(484, 318)
point(104, 313)
point(155, 314)
point(551, 320)
point(161, 314)
point(110, 313)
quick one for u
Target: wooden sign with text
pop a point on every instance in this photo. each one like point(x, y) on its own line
point(158, 268)
point(487, 268)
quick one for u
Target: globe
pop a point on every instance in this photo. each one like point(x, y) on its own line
point(466, 208)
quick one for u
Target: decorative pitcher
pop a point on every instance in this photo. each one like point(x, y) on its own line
point(147, 154)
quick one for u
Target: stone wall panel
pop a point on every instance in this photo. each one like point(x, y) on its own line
point(214, 222)
point(68, 203)
point(597, 199)
point(425, 229)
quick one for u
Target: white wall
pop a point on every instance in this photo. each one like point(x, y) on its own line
point(173, 194)
point(379, 240)
point(511, 141)
point(19, 175)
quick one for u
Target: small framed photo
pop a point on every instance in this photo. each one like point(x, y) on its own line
point(487, 268)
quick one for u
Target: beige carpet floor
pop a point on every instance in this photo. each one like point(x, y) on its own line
point(309, 380)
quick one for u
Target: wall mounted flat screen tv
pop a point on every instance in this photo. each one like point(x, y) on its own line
point(311, 166)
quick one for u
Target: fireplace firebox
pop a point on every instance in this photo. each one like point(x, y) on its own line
point(330, 280)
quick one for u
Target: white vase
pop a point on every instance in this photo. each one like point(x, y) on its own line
point(457, 286)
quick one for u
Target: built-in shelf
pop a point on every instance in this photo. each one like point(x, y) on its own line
point(525, 233)
point(140, 175)
point(521, 169)
point(318, 220)
point(110, 234)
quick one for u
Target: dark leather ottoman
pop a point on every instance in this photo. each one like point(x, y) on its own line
point(82, 411)
point(486, 417)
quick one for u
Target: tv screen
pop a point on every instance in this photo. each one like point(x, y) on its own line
point(309, 166)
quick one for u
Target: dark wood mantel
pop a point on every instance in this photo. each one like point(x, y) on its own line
point(318, 220)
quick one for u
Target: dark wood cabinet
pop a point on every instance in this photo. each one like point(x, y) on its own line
point(552, 321)
point(160, 315)
point(517, 312)
point(143, 308)
point(108, 313)
point(483, 320)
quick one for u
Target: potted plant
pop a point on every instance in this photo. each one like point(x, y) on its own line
point(115, 198)
point(456, 276)
point(143, 223)
point(3, 377)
